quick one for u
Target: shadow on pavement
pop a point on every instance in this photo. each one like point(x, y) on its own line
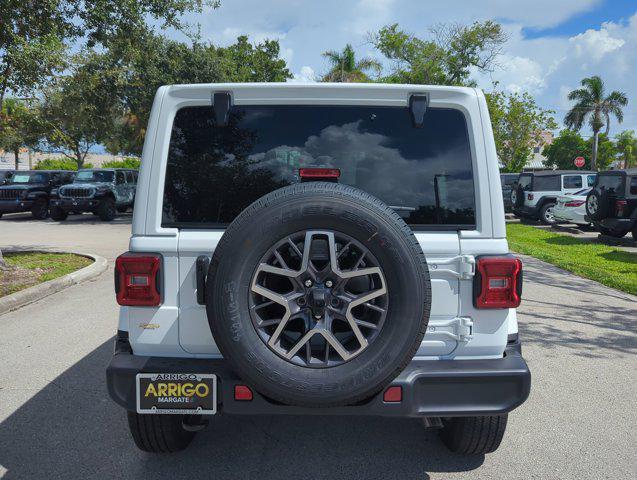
point(71, 429)
point(581, 314)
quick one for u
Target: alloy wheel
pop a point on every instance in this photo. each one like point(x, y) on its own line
point(318, 298)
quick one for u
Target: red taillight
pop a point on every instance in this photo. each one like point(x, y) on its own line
point(319, 173)
point(529, 196)
point(137, 279)
point(393, 394)
point(498, 282)
point(575, 203)
point(242, 393)
point(619, 207)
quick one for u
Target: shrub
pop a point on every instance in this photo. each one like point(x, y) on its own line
point(59, 164)
point(128, 162)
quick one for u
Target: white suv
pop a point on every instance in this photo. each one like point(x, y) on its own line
point(536, 193)
point(324, 248)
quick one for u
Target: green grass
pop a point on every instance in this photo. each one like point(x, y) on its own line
point(32, 268)
point(602, 263)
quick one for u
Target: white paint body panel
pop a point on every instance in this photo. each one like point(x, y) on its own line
point(179, 327)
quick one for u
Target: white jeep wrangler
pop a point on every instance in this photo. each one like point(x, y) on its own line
point(332, 249)
point(536, 193)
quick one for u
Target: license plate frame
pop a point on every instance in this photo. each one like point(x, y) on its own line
point(203, 405)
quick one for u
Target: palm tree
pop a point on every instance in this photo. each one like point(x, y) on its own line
point(592, 102)
point(345, 68)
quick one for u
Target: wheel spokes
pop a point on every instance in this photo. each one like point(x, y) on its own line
point(285, 307)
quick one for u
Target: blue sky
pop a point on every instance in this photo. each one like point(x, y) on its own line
point(552, 44)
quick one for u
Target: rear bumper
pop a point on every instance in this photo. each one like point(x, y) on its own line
point(75, 204)
point(15, 206)
point(430, 388)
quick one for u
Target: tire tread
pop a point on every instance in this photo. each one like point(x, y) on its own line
point(474, 435)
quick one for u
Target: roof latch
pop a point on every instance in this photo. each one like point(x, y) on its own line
point(221, 102)
point(417, 107)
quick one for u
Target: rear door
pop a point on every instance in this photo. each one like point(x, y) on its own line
point(424, 174)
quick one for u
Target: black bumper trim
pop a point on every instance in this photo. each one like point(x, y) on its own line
point(12, 206)
point(68, 204)
point(431, 388)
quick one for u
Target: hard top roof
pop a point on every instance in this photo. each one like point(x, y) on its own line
point(546, 173)
point(627, 171)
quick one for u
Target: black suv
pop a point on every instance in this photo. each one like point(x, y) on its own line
point(612, 203)
point(30, 191)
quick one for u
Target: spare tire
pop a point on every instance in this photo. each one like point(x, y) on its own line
point(517, 196)
point(597, 204)
point(318, 295)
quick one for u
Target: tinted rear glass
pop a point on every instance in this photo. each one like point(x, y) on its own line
point(633, 186)
point(508, 179)
point(525, 182)
point(610, 183)
point(549, 183)
point(214, 173)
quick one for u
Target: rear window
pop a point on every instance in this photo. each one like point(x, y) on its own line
point(508, 179)
point(610, 183)
point(425, 174)
point(547, 183)
point(633, 186)
point(525, 182)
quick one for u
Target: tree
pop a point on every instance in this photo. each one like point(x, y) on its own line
point(75, 115)
point(606, 151)
point(128, 78)
point(518, 123)
point(593, 103)
point(627, 148)
point(448, 58)
point(346, 68)
point(567, 146)
point(34, 34)
point(18, 127)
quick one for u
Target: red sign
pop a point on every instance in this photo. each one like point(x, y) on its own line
point(579, 162)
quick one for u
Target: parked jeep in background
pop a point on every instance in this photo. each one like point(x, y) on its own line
point(508, 181)
point(331, 249)
point(5, 176)
point(612, 203)
point(536, 193)
point(104, 192)
point(30, 191)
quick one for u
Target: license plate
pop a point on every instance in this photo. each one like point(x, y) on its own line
point(177, 393)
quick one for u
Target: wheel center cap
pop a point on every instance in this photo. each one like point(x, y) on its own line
point(317, 299)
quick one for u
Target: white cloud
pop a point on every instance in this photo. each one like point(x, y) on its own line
point(521, 74)
point(304, 76)
point(594, 44)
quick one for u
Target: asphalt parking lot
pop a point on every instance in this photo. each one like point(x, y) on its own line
point(56, 420)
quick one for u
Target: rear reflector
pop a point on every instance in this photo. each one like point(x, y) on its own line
point(242, 393)
point(318, 173)
point(498, 282)
point(137, 279)
point(393, 394)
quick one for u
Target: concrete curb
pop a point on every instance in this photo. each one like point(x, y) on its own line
point(42, 290)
